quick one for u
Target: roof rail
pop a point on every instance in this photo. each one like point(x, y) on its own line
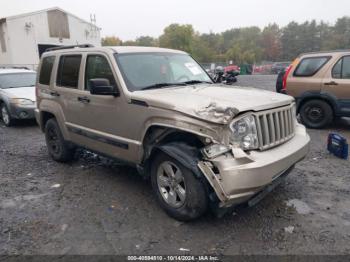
point(325, 52)
point(68, 47)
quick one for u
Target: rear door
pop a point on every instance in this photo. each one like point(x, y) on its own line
point(65, 90)
point(337, 83)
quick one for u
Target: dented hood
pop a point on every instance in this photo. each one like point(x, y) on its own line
point(214, 103)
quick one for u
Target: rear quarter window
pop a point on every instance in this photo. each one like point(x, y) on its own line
point(46, 70)
point(310, 66)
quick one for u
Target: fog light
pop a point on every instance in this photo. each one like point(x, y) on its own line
point(23, 114)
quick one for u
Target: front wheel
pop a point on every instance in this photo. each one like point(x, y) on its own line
point(316, 114)
point(178, 191)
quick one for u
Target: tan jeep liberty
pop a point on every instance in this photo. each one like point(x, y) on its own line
point(202, 144)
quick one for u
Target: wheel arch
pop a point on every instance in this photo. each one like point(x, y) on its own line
point(44, 117)
point(172, 141)
point(326, 97)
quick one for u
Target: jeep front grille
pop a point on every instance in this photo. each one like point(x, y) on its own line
point(275, 126)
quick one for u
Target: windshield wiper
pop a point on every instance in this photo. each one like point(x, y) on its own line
point(162, 85)
point(194, 82)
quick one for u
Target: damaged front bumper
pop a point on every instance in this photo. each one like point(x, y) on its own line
point(238, 176)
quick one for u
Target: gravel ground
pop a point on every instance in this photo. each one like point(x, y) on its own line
point(96, 206)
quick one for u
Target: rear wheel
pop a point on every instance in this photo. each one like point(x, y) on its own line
point(316, 114)
point(5, 116)
point(178, 191)
point(58, 148)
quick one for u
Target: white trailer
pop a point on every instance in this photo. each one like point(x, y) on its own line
point(23, 38)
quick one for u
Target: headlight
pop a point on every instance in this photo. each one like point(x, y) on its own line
point(22, 101)
point(244, 134)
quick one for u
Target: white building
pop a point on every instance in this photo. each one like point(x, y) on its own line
point(23, 38)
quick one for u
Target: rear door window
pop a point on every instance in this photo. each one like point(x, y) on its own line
point(68, 71)
point(310, 66)
point(341, 70)
point(46, 70)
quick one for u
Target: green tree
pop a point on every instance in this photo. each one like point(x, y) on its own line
point(130, 43)
point(341, 34)
point(271, 42)
point(177, 37)
point(146, 41)
point(249, 44)
point(290, 41)
point(201, 50)
point(111, 41)
point(246, 47)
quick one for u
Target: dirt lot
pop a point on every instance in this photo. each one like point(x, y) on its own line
point(95, 206)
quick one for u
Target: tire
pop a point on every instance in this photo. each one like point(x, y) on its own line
point(5, 116)
point(193, 201)
point(58, 148)
point(316, 114)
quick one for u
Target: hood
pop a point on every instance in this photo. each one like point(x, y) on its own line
point(214, 103)
point(21, 92)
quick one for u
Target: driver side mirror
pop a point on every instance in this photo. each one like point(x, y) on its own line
point(102, 86)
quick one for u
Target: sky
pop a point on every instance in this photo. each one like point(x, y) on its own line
point(129, 19)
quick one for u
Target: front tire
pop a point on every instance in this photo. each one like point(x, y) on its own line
point(178, 191)
point(58, 148)
point(316, 114)
point(6, 117)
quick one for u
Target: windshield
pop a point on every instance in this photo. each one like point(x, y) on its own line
point(17, 80)
point(144, 70)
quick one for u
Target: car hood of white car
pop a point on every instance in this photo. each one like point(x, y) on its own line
point(21, 92)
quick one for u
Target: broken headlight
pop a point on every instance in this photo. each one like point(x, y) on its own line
point(244, 133)
point(215, 150)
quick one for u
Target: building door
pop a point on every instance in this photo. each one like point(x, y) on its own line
point(42, 48)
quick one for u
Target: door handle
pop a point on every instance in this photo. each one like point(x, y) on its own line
point(332, 83)
point(83, 99)
point(54, 94)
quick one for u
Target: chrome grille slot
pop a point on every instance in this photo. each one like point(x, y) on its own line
point(275, 126)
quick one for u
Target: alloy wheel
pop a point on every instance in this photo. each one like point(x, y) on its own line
point(5, 115)
point(171, 184)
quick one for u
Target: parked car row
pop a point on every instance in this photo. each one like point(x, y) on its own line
point(271, 68)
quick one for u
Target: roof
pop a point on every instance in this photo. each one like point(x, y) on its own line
point(14, 70)
point(44, 11)
point(120, 49)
